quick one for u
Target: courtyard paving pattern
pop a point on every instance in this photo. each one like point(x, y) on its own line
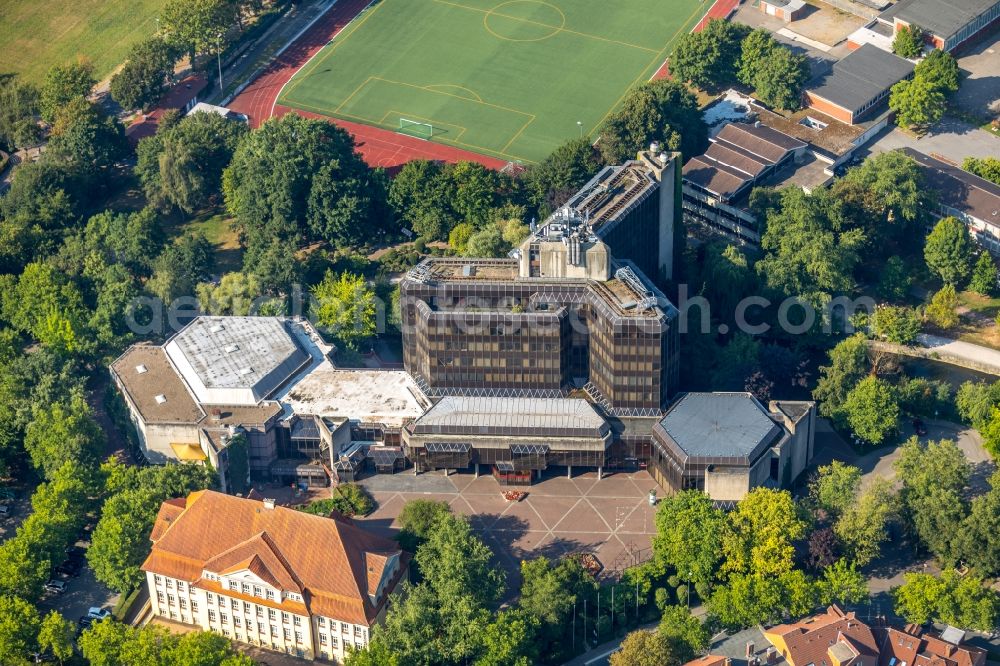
point(610, 518)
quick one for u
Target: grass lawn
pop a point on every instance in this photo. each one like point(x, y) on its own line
point(506, 78)
point(38, 34)
point(215, 227)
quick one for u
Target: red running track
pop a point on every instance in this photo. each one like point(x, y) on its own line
point(720, 9)
point(379, 147)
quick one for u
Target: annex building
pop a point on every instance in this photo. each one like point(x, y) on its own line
point(857, 86)
point(309, 586)
point(947, 24)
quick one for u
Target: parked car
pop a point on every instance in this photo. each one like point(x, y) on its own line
point(97, 614)
point(919, 427)
point(83, 624)
point(71, 567)
point(55, 586)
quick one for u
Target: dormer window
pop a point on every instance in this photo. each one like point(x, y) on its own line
point(141, 369)
point(232, 348)
point(160, 399)
point(217, 328)
point(246, 370)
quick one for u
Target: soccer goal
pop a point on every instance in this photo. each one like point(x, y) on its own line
point(416, 128)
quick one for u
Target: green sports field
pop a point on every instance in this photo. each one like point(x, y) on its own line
point(507, 78)
point(40, 33)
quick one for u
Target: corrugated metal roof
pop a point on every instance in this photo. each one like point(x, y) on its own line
point(493, 415)
point(731, 425)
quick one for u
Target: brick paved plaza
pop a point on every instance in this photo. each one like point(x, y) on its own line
point(610, 518)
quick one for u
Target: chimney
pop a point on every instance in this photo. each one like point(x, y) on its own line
point(268, 502)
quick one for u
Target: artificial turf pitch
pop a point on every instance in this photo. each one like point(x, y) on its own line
point(507, 78)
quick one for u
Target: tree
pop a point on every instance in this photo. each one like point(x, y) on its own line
point(776, 74)
point(416, 520)
point(808, 252)
point(18, 107)
point(345, 305)
point(872, 410)
point(688, 634)
point(663, 110)
point(689, 535)
point(487, 242)
point(18, 628)
point(950, 599)
point(823, 548)
point(934, 477)
point(978, 541)
point(894, 283)
point(917, 102)
point(896, 324)
point(455, 562)
point(56, 635)
point(140, 81)
point(507, 640)
point(991, 433)
point(984, 275)
point(842, 584)
point(863, 525)
point(940, 69)
point(760, 534)
point(41, 296)
point(181, 166)
point(948, 251)
point(567, 168)
point(848, 365)
point(549, 593)
point(181, 266)
point(708, 58)
point(975, 402)
point(835, 487)
point(87, 139)
point(236, 294)
point(645, 648)
point(199, 26)
point(458, 237)
point(64, 84)
point(908, 42)
point(986, 167)
point(61, 433)
point(347, 202)
point(942, 308)
point(421, 194)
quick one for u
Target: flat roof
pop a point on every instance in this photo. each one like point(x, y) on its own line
point(942, 17)
point(859, 77)
point(154, 387)
point(456, 415)
point(959, 189)
point(382, 396)
point(719, 425)
point(254, 353)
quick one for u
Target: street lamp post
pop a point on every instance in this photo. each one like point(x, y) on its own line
point(218, 52)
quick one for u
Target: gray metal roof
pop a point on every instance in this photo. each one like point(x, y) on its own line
point(256, 353)
point(861, 76)
point(720, 425)
point(512, 416)
point(941, 17)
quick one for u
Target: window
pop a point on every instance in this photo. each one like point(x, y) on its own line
point(322, 639)
point(284, 617)
point(333, 641)
point(233, 585)
point(158, 578)
point(236, 621)
point(235, 604)
point(194, 606)
point(774, 468)
point(225, 632)
point(287, 633)
point(357, 631)
point(211, 598)
point(183, 603)
point(170, 584)
point(211, 615)
point(260, 611)
point(160, 597)
point(344, 628)
point(257, 591)
point(274, 630)
point(171, 599)
point(297, 621)
point(180, 586)
point(321, 621)
point(298, 636)
point(260, 628)
point(246, 588)
point(225, 618)
point(271, 613)
point(270, 594)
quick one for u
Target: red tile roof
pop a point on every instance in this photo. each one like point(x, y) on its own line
point(336, 566)
point(809, 640)
point(913, 648)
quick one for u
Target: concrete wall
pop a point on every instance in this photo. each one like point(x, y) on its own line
point(727, 484)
